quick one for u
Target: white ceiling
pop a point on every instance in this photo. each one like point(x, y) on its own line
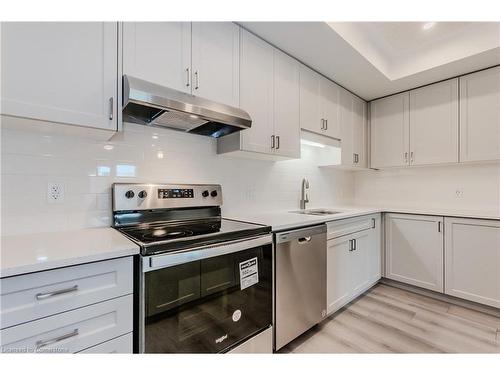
point(374, 59)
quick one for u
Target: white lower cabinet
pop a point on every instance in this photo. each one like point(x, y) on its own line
point(70, 309)
point(122, 345)
point(472, 260)
point(353, 259)
point(414, 250)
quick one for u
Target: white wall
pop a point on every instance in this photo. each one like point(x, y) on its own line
point(86, 170)
point(432, 187)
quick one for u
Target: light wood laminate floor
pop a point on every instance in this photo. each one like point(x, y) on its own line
point(391, 320)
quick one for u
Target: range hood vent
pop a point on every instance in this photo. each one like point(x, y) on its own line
point(147, 103)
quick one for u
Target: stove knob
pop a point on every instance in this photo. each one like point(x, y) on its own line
point(205, 193)
point(142, 194)
point(129, 194)
point(213, 193)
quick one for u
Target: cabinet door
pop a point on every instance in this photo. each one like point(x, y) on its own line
point(390, 127)
point(480, 116)
point(414, 250)
point(286, 105)
point(159, 52)
point(339, 273)
point(434, 124)
point(330, 99)
point(360, 258)
point(216, 61)
point(310, 103)
point(256, 91)
point(472, 260)
point(347, 128)
point(61, 72)
point(359, 131)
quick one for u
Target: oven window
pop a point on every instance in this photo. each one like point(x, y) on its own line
point(210, 305)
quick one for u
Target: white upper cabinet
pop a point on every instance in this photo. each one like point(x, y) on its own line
point(390, 128)
point(216, 61)
point(311, 117)
point(330, 95)
point(434, 124)
point(269, 92)
point(414, 250)
point(319, 104)
point(201, 58)
point(256, 92)
point(353, 130)
point(61, 72)
point(286, 105)
point(159, 52)
point(480, 116)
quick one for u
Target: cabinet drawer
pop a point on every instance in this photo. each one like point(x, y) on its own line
point(36, 295)
point(71, 331)
point(122, 344)
point(344, 227)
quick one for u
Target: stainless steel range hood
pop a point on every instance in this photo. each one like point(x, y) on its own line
point(147, 103)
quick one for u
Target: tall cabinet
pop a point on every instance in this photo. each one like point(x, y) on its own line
point(353, 130)
point(61, 72)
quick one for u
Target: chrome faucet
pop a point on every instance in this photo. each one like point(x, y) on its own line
point(303, 195)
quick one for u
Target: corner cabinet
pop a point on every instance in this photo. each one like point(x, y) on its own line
point(353, 259)
point(472, 260)
point(480, 116)
point(61, 72)
point(269, 92)
point(414, 250)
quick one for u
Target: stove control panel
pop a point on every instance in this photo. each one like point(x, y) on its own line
point(131, 197)
point(175, 193)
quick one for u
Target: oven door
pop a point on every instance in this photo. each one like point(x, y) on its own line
point(206, 300)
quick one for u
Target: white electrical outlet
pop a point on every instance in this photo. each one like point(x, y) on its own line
point(55, 192)
point(459, 193)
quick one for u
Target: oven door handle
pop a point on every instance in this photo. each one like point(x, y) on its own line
point(154, 262)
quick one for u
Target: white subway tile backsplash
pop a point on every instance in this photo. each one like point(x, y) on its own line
point(87, 169)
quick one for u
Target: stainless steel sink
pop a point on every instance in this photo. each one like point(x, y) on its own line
point(316, 211)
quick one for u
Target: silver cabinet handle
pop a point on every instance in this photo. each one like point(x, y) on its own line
point(277, 142)
point(411, 157)
point(304, 239)
point(373, 223)
point(355, 244)
point(326, 124)
point(272, 141)
point(351, 245)
point(188, 77)
point(111, 109)
point(322, 124)
point(41, 343)
point(406, 157)
point(196, 80)
point(41, 296)
point(439, 226)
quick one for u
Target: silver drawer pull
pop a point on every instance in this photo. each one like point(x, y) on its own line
point(304, 239)
point(41, 343)
point(41, 296)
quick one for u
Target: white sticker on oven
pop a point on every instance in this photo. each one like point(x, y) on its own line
point(249, 273)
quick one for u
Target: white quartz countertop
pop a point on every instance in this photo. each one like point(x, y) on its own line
point(284, 220)
point(42, 251)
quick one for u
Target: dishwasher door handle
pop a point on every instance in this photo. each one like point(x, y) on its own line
point(304, 239)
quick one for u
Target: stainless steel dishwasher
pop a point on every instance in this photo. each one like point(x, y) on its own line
point(300, 291)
